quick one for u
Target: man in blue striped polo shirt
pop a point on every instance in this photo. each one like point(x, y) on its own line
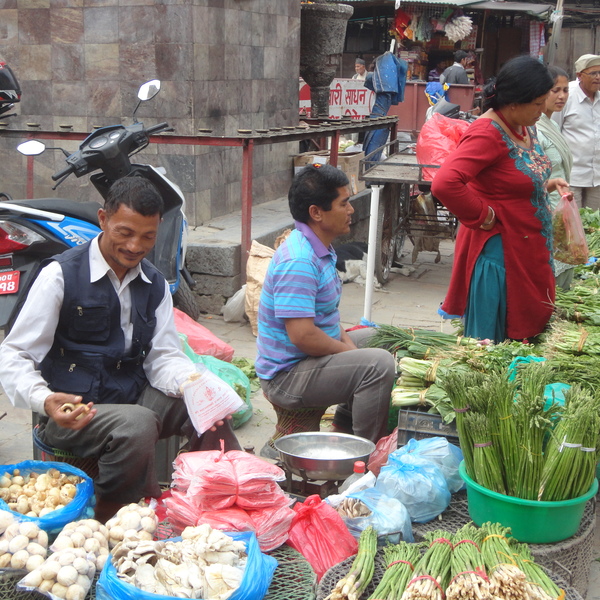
point(305, 358)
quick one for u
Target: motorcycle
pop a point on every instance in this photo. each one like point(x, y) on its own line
point(33, 230)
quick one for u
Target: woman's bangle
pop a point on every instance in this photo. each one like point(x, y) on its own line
point(486, 223)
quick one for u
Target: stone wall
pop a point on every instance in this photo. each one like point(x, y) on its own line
point(224, 65)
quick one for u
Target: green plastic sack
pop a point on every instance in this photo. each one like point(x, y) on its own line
point(229, 374)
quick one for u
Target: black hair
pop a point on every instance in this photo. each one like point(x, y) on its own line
point(137, 193)
point(556, 72)
point(459, 55)
point(520, 81)
point(315, 184)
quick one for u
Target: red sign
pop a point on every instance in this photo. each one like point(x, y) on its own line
point(9, 282)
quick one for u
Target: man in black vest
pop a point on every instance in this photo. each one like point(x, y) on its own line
point(97, 331)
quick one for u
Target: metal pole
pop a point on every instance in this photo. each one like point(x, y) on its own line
point(373, 218)
point(557, 19)
point(246, 241)
point(29, 192)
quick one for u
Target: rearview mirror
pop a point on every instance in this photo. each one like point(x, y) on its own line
point(31, 147)
point(149, 89)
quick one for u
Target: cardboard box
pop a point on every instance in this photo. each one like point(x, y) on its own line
point(347, 162)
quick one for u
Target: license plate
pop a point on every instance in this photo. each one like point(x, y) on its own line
point(9, 282)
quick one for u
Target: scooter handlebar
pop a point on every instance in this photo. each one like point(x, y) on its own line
point(66, 171)
point(157, 128)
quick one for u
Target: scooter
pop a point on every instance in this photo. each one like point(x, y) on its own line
point(33, 230)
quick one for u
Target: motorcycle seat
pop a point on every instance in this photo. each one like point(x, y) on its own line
point(88, 211)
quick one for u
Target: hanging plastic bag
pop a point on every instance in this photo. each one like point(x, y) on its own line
point(441, 452)
point(81, 507)
point(230, 374)
point(200, 339)
point(570, 245)
point(418, 484)
point(255, 582)
point(438, 137)
point(389, 517)
point(319, 534)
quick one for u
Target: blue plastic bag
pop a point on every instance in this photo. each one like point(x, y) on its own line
point(388, 517)
point(441, 452)
point(417, 483)
point(81, 507)
point(255, 583)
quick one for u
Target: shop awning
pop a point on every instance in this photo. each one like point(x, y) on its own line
point(530, 7)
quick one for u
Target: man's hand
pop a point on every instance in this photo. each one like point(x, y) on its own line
point(311, 340)
point(221, 423)
point(70, 418)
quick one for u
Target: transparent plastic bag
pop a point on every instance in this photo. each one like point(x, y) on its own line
point(235, 307)
point(570, 245)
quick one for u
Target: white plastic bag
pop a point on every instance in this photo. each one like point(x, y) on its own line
point(235, 307)
point(209, 399)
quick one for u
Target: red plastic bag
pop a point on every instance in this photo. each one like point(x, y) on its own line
point(570, 245)
point(201, 340)
point(384, 447)
point(439, 136)
point(320, 535)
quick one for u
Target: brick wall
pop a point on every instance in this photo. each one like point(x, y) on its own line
point(224, 65)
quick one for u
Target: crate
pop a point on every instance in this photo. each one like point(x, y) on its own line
point(419, 425)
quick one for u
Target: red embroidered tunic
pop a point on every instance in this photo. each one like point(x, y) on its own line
point(489, 169)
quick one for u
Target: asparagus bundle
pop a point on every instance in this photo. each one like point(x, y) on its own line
point(432, 572)
point(487, 470)
point(539, 586)
point(571, 339)
point(506, 579)
point(361, 572)
point(470, 581)
point(572, 452)
point(400, 560)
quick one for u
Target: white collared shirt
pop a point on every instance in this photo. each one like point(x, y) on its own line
point(32, 335)
point(579, 122)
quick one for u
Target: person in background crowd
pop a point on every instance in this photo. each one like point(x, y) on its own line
point(579, 122)
point(556, 148)
point(305, 358)
point(361, 70)
point(97, 331)
point(496, 183)
point(435, 73)
point(456, 73)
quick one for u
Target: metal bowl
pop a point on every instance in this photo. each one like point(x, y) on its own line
point(320, 455)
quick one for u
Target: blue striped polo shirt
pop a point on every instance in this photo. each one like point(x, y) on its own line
point(301, 282)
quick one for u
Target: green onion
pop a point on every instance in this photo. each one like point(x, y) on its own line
point(400, 560)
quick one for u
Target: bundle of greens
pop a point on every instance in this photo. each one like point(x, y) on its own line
point(469, 579)
point(400, 560)
point(432, 572)
point(539, 586)
point(361, 572)
point(506, 579)
point(432, 397)
point(572, 452)
point(568, 338)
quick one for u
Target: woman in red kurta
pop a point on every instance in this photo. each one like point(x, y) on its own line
point(496, 183)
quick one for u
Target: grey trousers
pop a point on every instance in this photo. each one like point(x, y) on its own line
point(588, 197)
point(124, 436)
point(359, 381)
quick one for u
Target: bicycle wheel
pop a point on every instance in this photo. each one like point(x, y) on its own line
point(403, 227)
point(387, 229)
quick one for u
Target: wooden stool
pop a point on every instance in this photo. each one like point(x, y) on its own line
point(88, 465)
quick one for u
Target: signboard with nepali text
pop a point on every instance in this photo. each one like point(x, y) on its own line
point(347, 98)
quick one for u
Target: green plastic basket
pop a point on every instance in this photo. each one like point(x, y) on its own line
point(532, 521)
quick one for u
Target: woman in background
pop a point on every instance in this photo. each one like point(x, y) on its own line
point(557, 150)
point(496, 183)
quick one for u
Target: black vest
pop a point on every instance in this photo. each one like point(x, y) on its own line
point(87, 357)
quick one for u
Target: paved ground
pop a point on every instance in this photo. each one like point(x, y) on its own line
point(405, 301)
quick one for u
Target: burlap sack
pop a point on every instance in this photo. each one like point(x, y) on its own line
point(256, 270)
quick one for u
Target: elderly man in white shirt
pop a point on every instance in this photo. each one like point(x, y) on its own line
point(579, 122)
point(97, 331)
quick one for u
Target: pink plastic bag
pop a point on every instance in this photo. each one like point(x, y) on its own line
point(570, 245)
point(384, 447)
point(320, 535)
point(201, 340)
point(438, 137)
